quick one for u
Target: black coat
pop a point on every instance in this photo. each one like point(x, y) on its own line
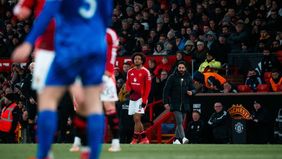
point(175, 92)
point(220, 124)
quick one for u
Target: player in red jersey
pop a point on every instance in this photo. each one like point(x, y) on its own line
point(138, 84)
point(44, 48)
point(108, 97)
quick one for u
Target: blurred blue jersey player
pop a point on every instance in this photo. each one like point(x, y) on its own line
point(80, 48)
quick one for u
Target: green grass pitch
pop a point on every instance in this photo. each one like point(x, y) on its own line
point(155, 151)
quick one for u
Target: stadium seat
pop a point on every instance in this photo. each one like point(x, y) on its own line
point(266, 76)
point(279, 88)
point(263, 88)
point(244, 88)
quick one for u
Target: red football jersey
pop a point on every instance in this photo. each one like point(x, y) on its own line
point(46, 40)
point(139, 84)
point(112, 46)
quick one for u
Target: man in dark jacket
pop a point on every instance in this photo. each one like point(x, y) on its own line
point(176, 96)
point(220, 124)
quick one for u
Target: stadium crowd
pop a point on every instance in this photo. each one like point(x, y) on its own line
point(216, 35)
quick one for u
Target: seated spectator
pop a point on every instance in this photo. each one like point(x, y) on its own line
point(220, 124)
point(162, 66)
point(180, 41)
point(229, 88)
point(196, 129)
point(179, 57)
point(125, 67)
point(267, 62)
point(210, 64)
point(152, 64)
point(253, 80)
point(159, 49)
point(275, 80)
point(199, 55)
point(189, 48)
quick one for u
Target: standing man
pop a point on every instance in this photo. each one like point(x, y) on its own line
point(176, 98)
point(138, 84)
point(9, 119)
point(75, 20)
point(220, 124)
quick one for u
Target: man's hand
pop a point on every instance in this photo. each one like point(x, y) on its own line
point(22, 52)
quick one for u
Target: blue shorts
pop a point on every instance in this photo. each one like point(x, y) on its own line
point(65, 69)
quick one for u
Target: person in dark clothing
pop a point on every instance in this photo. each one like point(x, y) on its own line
point(176, 97)
point(220, 124)
point(195, 129)
point(259, 125)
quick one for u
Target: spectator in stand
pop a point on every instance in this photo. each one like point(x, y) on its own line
point(211, 40)
point(180, 41)
point(153, 39)
point(118, 74)
point(152, 64)
point(199, 55)
point(229, 88)
point(179, 57)
point(275, 80)
point(189, 48)
point(176, 98)
point(237, 38)
point(219, 122)
point(125, 67)
point(259, 125)
point(267, 63)
point(159, 49)
point(273, 21)
point(196, 129)
point(165, 65)
point(158, 90)
point(210, 64)
point(253, 79)
point(222, 50)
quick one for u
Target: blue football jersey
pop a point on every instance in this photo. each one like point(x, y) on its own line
point(80, 39)
point(80, 24)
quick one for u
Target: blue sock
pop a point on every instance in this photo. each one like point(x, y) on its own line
point(46, 128)
point(95, 134)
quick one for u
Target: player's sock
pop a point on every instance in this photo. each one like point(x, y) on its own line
point(143, 134)
point(95, 133)
point(114, 125)
point(47, 126)
point(80, 126)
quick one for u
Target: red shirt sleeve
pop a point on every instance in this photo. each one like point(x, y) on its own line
point(147, 86)
point(127, 83)
point(28, 3)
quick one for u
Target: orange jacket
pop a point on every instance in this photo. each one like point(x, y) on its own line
point(221, 79)
point(274, 85)
point(7, 118)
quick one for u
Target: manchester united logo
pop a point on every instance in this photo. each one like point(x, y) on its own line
point(239, 112)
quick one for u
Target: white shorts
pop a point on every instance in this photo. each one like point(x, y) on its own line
point(135, 107)
point(109, 93)
point(42, 63)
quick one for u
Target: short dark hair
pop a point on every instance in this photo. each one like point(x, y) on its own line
point(182, 62)
point(143, 57)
